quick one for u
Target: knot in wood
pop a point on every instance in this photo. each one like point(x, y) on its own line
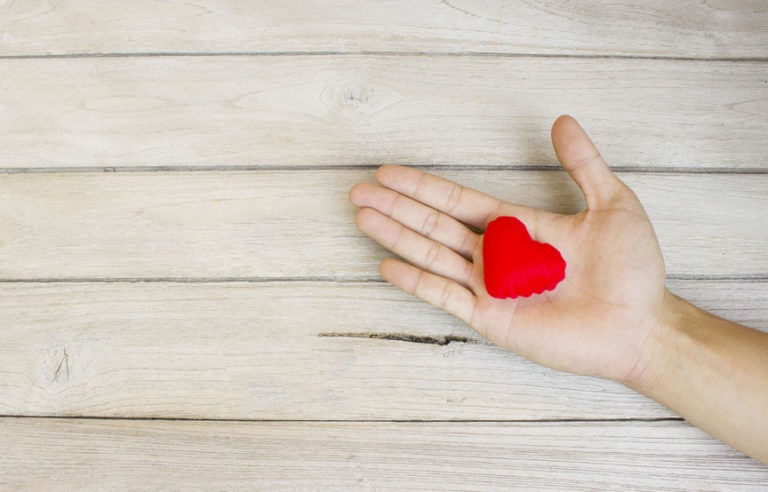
point(355, 99)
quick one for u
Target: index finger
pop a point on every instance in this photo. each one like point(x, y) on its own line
point(464, 204)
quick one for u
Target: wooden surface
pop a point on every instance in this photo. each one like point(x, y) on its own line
point(290, 350)
point(185, 302)
point(298, 224)
point(686, 28)
point(105, 454)
point(332, 110)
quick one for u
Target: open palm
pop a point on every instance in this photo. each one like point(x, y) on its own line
point(595, 322)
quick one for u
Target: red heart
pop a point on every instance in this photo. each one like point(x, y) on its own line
point(516, 265)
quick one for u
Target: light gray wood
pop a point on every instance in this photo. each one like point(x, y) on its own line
point(255, 350)
point(455, 83)
point(277, 224)
point(726, 28)
point(100, 455)
point(348, 110)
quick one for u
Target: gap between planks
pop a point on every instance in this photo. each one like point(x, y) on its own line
point(345, 421)
point(298, 280)
point(467, 54)
point(366, 167)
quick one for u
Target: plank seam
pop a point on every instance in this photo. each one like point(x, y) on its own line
point(194, 280)
point(365, 421)
point(466, 54)
point(316, 279)
point(368, 167)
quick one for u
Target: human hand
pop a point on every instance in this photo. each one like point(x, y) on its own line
point(597, 321)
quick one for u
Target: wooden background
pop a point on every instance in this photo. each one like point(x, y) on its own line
point(184, 299)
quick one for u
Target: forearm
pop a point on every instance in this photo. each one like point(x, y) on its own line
point(712, 372)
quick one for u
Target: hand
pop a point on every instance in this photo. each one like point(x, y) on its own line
point(597, 321)
point(610, 317)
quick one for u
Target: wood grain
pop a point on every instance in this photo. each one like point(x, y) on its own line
point(253, 351)
point(350, 110)
point(726, 28)
point(239, 288)
point(289, 224)
point(99, 455)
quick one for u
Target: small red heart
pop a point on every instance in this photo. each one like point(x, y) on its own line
point(516, 265)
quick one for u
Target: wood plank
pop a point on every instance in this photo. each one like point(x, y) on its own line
point(348, 110)
point(656, 28)
point(278, 224)
point(100, 455)
point(253, 351)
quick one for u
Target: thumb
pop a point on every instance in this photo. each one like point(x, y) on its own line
point(580, 158)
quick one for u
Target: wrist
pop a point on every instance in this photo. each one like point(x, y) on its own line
point(662, 341)
point(709, 371)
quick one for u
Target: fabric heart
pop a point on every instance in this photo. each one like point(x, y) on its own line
point(516, 265)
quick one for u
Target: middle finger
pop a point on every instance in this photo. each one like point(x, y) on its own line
point(418, 217)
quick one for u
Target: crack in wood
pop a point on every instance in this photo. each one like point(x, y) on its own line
point(402, 337)
point(462, 11)
point(63, 363)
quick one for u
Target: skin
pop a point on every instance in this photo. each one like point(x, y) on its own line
point(611, 317)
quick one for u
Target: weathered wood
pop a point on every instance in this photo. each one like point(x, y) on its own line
point(451, 83)
point(727, 28)
point(100, 455)
point(277, 224)
point(347, 110)
point(254, 350)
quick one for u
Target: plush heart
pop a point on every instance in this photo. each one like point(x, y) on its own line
point(516, 265)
